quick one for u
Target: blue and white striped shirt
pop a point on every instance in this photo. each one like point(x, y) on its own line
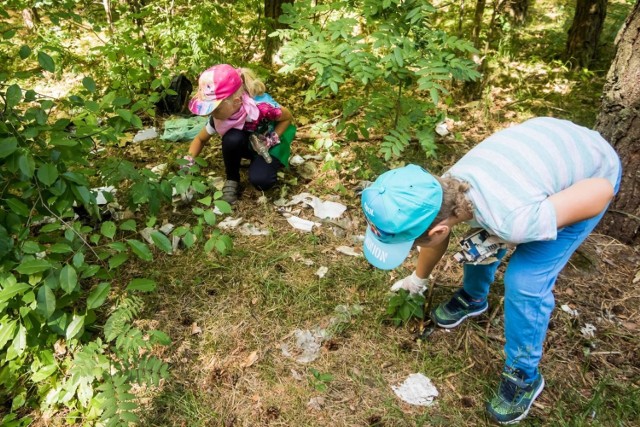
point(513, 172)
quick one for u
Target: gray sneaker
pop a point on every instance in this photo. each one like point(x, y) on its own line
point(230, 191)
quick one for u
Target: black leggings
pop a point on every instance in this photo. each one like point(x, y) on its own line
point(236, 146)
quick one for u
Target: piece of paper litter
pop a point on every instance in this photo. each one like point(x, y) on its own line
point(301, 224)
point(416, 390)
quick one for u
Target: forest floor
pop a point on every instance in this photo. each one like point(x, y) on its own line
point(234, 320)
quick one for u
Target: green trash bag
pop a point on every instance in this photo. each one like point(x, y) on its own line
point(183, 129)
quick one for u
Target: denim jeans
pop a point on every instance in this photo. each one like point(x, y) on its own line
point(528, 301)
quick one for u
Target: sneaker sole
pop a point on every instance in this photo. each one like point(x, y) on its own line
point(524, 414)
point(462, 319)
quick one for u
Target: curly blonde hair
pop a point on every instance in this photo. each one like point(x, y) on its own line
point(454, 200)
point(252, 84)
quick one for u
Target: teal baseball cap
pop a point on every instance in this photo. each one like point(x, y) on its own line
point(399, 207)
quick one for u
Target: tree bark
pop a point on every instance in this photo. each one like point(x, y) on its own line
point(477, 22)
point(107, 9)
point(517, 10)
point(619, 123)
point(272, 12)
point(582, 43)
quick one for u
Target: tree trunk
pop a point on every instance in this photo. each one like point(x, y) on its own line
point(477, 22)
point(619, 123)
point(582, 44)
point(107, 9)
point(272, 12)
point(517, 10)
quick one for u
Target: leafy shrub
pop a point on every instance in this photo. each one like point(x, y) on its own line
point(388, 54)
point(403, 307)
point(67, 322)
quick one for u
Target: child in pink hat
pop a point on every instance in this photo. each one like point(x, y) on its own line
point(238, 108)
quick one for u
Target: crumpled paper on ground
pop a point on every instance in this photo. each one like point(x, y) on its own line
point(416, 390)
point(321, 209)
point(307, 345)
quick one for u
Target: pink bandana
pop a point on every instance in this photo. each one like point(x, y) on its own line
point(248, 112)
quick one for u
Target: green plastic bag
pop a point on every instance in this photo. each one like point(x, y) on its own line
point(183, 129)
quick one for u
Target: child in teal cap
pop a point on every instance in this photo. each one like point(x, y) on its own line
point(541, 187)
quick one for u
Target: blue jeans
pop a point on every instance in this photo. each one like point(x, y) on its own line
point(528, 281)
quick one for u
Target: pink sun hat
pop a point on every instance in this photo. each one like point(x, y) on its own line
point(214, 85)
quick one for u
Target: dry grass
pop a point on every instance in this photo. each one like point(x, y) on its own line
point(229, 316)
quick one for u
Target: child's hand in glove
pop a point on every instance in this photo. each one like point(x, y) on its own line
point(411, 283)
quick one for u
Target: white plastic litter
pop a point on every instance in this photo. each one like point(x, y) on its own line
point(146, 234)
point(100, 199)
point(442, 129)
point(160, 169)
point(145, 134)
point(301, 224)
point(307, 346)
point(229, 223)
point(588, 330)
point(321, 209)
point(571, 311)
point(327, 209)
point(416, 390)
point(167, 228)
point(348, 251)
point(296, 160)
point(322, 271)
point(248, 229)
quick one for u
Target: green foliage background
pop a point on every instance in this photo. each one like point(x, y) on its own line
point(69, 340)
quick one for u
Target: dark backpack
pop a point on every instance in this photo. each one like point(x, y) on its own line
point(176, 104)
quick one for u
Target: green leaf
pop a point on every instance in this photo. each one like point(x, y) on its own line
point(24, 52)
point(46, 302)
point(161, 337)
point(27, 165)
point(68, 279)
point(13, 96)
point(43, 373)
point(140, 249)
point(98, 296)
point(75, 327)
point(12, 290)
point(210, 217)
point(161, 241)
point(20, 340)
point(224, 244)
point(60, 248)
point(46, 62)
point(205, 201)
point(89, 84)
point(33, 266)
point(7, 330)
point(125, 114)
point(47, 174)
point(223, 206)
point(128, 225)
point(108, 229)
point(143, 285)
point(210, 244)
point(117, 260)
point(18, 207)
point(8, 146)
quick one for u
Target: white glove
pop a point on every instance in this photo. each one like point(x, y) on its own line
point(412, 283)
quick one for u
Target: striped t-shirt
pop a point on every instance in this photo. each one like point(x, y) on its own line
point(513, 172)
